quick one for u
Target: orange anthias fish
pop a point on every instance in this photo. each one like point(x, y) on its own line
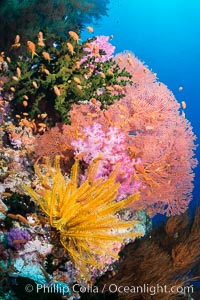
point(70, 48)
point(17, 42)
point(74, 36)
point(31, 47)
point(46, 56)
point(95, 50)
point(18, 71)
point(183, 103)
point(40, 39)
point(56, 91)
point(90, 29)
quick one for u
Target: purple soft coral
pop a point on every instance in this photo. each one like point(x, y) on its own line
point(111, 147)
point(17, 238)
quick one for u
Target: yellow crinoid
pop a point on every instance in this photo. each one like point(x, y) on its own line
point(86, 214)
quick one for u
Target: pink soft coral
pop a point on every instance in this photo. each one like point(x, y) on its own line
point(110, 147)
point(101, 43)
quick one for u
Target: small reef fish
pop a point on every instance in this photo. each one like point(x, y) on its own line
point(118, 88)
point(74, 36)
point(90, 29)
point(40, 39)
point(19, 218)
point(93, 101)
point(78, 64)
point(122, 108)
point(89, 45)
point(17, 39)
point(35, 84)
point(120, 59)
point(95, 50)
point(70, 48)
point(5, 194)
point(18, 70)
point(102, 75)
point(77, 80)
point(40, 192)
point(31, 47)
point(25, 103)
point(130, 62)
point(43, 116)
point(109, 72)
point(46, 56)
point(110, 88)
point(107, 115)
point(46, 72)
point(56, 90)
point(183, 103)
point(15, 78)
point(17, 42)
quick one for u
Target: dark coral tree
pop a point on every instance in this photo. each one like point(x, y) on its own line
point(56, 75)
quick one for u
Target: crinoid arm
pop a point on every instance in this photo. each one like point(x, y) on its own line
point(86, 214)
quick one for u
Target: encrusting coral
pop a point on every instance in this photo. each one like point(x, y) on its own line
point(85, 215)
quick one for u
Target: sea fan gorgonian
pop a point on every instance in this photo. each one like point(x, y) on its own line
point(156, 132)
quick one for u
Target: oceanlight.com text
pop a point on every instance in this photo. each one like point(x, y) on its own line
point(149, 289)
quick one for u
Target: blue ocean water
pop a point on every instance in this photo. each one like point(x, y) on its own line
point(165, 35)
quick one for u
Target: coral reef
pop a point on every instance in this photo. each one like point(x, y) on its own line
point(92, 146)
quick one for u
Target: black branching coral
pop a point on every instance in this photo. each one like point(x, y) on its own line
point(57, 73)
